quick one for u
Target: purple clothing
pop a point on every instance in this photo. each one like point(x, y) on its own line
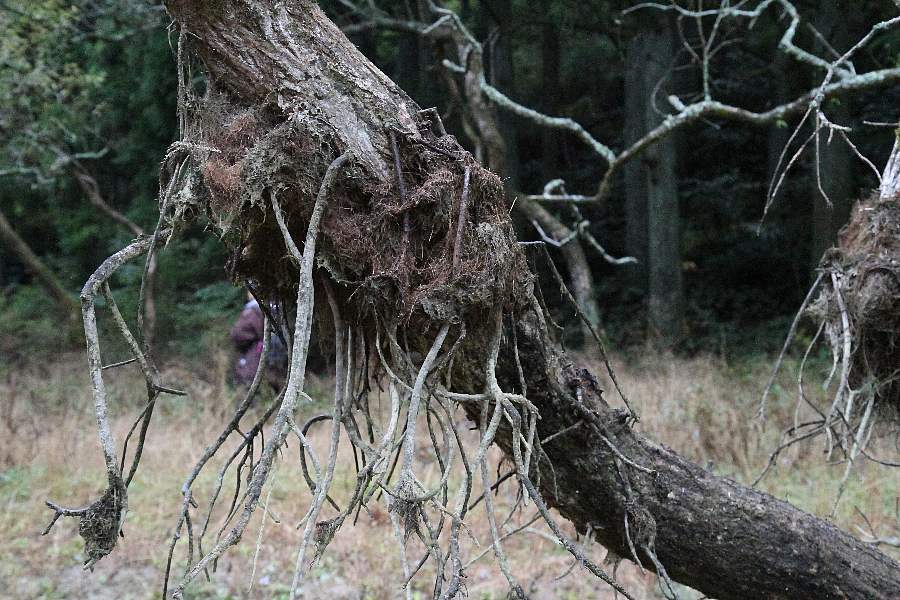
point(247, 335)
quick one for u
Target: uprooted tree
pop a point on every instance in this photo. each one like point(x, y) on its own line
point(347, 206)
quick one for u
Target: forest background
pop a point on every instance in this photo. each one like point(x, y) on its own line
point(88, 108)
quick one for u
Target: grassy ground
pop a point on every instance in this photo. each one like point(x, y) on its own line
point(701, 407)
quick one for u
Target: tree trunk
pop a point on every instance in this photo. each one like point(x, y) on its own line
point(784, 81)
point(708, 532)
point(551, 59)
point(652, 212)
point(836, 161)
point(407, 69)
point(835, 170)
point(36, 266)
point(636, 98)
point(711, 533)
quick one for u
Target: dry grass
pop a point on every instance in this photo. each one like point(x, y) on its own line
point(701, 407)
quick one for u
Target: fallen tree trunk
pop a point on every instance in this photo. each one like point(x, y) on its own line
point(287, 94)
point(711, 533)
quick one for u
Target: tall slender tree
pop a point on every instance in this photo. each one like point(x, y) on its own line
point(651, 185)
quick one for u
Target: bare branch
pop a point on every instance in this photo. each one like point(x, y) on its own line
point(452, 30)
point(91, 189)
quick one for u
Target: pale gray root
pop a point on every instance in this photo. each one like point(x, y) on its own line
point(409, 440)
point(88, 294)
point(492, 392)
point(401, 548)
point(213, 448)
point(296, 377)
point(151, 378)
point(787, 342)
point(115, 499)
point(493, 388)
point(262, 527)
point(342, 376)
point(843, 389)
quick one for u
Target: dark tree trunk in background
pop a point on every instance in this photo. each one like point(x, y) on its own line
point(407, 69)
point(653, 233)
point(784, 87)
point(836, 173)
point(551, 59)
point(501, 74)
point(502, 159)
point(636, 98)
point(836, 160)
point(728, 541)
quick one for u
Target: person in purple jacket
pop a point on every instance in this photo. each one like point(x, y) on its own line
point(247, 335)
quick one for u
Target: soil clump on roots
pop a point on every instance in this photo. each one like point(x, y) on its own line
point(395, 246)
point(859, 302)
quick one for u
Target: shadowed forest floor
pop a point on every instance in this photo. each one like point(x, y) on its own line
point(702, 407)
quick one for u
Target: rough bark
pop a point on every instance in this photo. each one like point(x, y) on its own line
point(710, 533)
point(36, 267)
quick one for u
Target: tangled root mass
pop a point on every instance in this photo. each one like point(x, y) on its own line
point(390, 244)
point(865, 302)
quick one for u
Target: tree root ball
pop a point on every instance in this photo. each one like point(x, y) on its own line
point(866, 266)
point(391, 242)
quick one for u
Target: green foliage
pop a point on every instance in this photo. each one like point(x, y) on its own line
point(45, 91)
point(96, 79)
point(29, 326)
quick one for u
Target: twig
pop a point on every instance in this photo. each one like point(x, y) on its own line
point(787, 343)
